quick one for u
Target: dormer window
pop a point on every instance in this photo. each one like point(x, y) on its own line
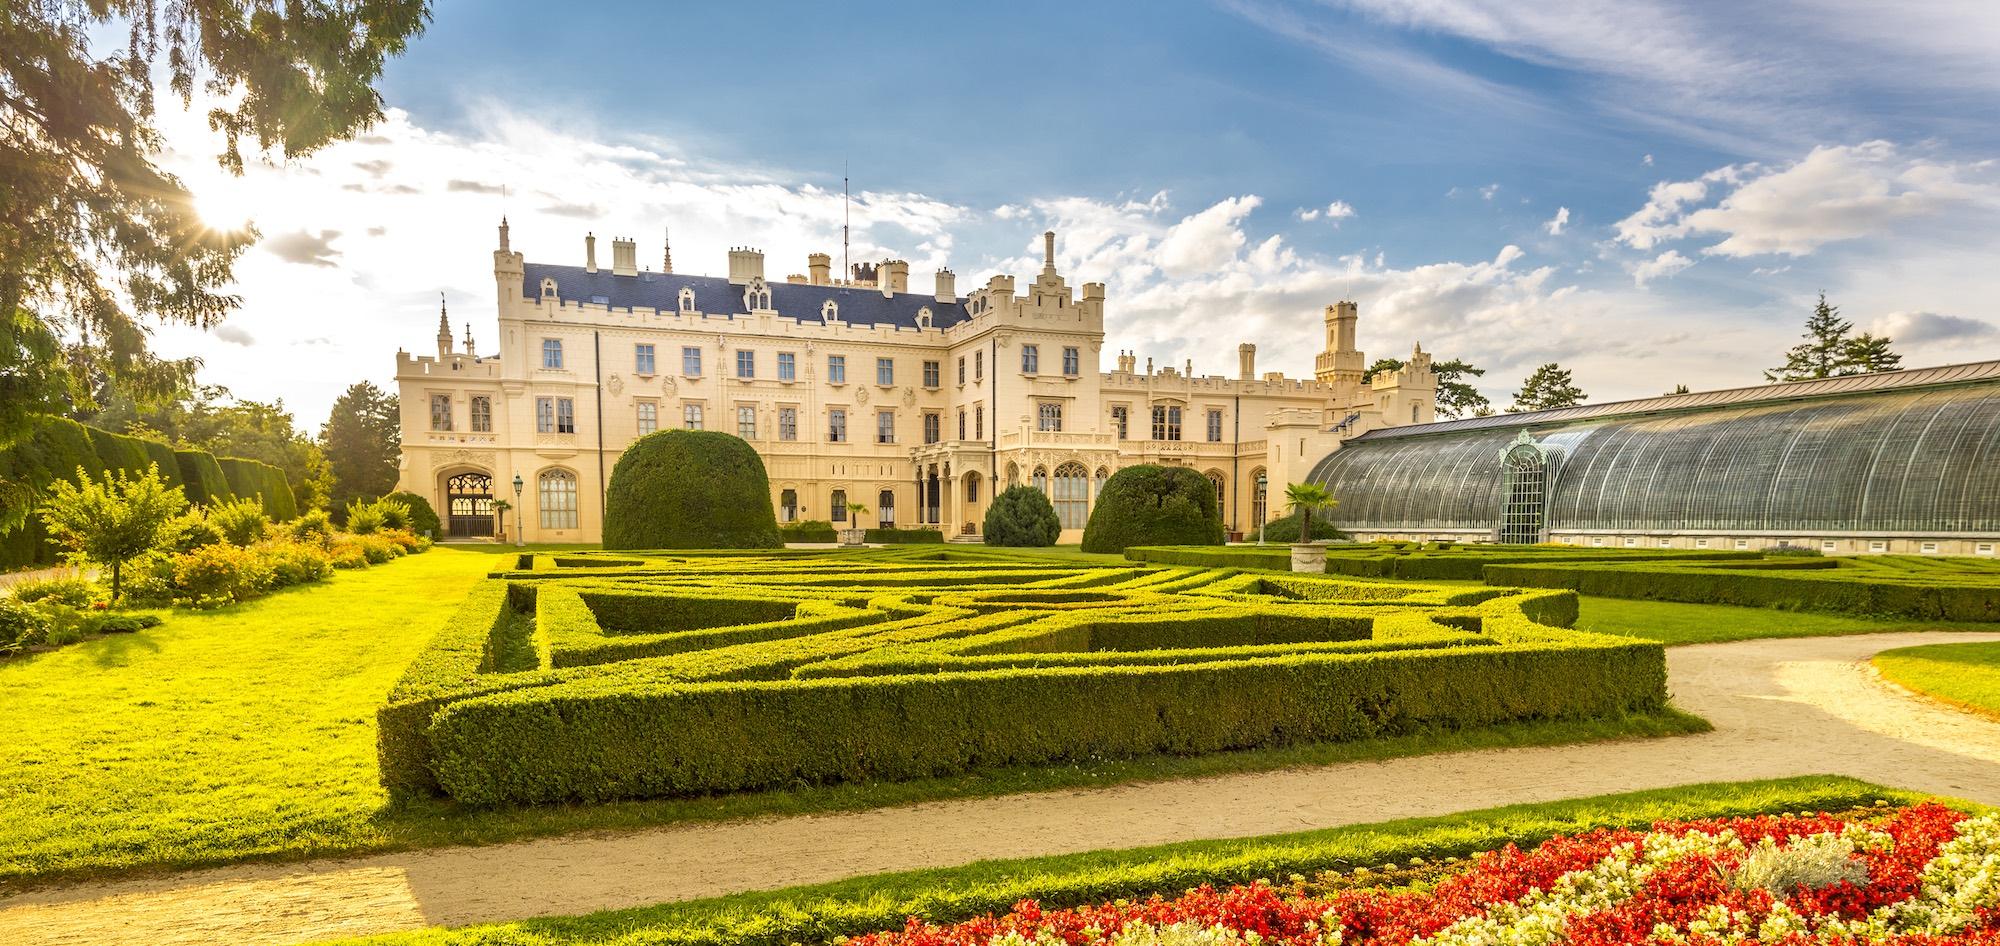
point(687, 300)
point(756, 296)
point(548, 290)
point(924, 317)
point(829, 312)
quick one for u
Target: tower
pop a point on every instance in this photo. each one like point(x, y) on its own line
point(444, 330)
point(1340, 362)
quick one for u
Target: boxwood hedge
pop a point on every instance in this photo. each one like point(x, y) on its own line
point(689, 489)
point(591, 677)
point(1153, 505)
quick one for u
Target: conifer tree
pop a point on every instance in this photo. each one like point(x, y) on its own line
point(1455, 397)
point(362, 439)
point(1549, 387)
point(1869, 353)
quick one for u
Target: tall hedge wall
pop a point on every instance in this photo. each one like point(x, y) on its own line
point(58, 446)
point(690, 489)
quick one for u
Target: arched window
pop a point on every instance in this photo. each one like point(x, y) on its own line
point(972, 487)
point(557, 490)
point(469, 505)
point(788, 505)
point(552, 353)
point(1041, 480)
point(924, 317)
point(829, 312)
point(838, 503)
point(1526, 466)
point(1259, 496)
point(756, 296)
point(687, 300)
point(1072, 495)
point(1215, 477)
point(549, 290)
point(885, 509)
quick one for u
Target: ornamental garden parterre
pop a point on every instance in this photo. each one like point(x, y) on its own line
point(596, 676)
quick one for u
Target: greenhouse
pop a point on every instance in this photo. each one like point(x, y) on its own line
point(1905, 461)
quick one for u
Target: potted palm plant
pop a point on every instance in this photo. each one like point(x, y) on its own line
point(1306, 497)
point(854, 534)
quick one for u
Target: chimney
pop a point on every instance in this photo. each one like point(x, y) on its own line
point(947, 286)
point(624, 256)
point(895, 277)
point(1049, 251)
point(745, 264)
point(1246, 356)
point(590, 252)
point(819, 267)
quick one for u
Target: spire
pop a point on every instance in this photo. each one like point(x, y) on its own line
point(444, 329)
point(468, 339)
point(667, 263)
point(504, 247)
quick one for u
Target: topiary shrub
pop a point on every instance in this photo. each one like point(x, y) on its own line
point(1153, 505)
point(1021, 516)
point(689, 489)
point(423, 518)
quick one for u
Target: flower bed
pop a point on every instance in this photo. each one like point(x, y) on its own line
point(1925, 874)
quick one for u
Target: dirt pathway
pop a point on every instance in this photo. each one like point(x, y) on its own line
point(1780, 707)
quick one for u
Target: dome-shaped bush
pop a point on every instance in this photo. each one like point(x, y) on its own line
point(1153, 505)
point(1022, 516)
point(689, 489)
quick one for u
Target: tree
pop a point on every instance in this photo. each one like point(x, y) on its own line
point(96, 241)
point(1868, 353)
point(1549, 387)
point(1455, 396)
point(1678, 389)
point(112, 522)
point(1829, 351)
point(207, 417)
point(1022, 517)
point(361, 440)
point(1306, 497)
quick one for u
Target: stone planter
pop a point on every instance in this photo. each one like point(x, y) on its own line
point(851, 538)
point(1309, 558)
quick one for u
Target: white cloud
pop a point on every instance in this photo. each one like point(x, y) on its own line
point(304, 248)
point(1487, 192)
point(1647, 160)
point(1930, 328)
point(1664, 265)
point(1771, 270)
point(1337, 211)
point(1558, 222)
point(1834, 193)
point(234, 335)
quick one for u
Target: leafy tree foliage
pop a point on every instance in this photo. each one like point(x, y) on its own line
point(1306, 497)
point(1456, 397)
point(1831, 350)
point(1022, 517)
point(207, 417)
point(422, 518)
point(113, 521)
point(96, 241)
point(361, 439)
point(1549, 387)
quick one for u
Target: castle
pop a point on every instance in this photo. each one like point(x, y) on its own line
point(918, 405)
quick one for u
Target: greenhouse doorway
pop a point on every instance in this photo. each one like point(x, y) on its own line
point(1524, 516)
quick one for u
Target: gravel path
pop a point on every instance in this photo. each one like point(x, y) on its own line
point(1780, 707)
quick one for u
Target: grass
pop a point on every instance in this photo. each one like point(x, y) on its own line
point(249, 733)
point(1673, 623)
point(821, 912)
point(1967, 675)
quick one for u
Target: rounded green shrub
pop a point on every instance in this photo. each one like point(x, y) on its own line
point(1287, 529)
point(423, 518)
point(689, 489)
point(1153, 505)
point(1021, 516)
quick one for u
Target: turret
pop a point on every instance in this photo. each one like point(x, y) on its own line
point(1340, 362)
point(509, 269)
point(1246, 361)
point(894, 277)
point(819, 268)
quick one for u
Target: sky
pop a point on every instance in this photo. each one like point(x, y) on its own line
point(1649, 193)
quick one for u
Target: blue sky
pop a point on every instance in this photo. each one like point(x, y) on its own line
point(1651, 193)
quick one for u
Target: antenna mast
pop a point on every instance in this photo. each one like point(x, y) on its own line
point(845, 267)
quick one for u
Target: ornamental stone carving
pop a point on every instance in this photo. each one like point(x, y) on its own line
point(860, 395)
point(444, 458)
point(909, 397)
point(617, 385)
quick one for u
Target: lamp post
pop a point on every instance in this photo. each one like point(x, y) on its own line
point(519, 538)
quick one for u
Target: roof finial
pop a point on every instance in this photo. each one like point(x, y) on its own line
point(667, 262)
point(444, 328)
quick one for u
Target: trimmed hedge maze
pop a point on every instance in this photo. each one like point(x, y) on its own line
point(594, 676)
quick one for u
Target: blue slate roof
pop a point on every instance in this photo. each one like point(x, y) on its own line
point(859, 306)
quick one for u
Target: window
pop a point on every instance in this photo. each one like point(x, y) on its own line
point(961, 369)
point(746, 364)
point(788, 505)
point(649, 417)
point(885, 509)
point(979, 422)
point(642, 359)
point(440, 412)
point(1072, 495)
point(1121, 417)
point(788, 423)
point(1878, 546)
point(971, 487)
point(1048, 416)
point(1221, 504)
point(1701, 543)
point(1597, 541)
point(1214, 426)
point(1041, 480)
point(691, 416)
point(1666, 543)
point(931, 374)
point(885, 426)
point(1031, 359)
point(1260, 495)
point(1742, 544)
point(885, 371)
point(545, 415)
point(746, 423)
point(1983, 548)
point(836, 369)
point(836, 425)
point(933, 427)
point(551, 353)
point(1928, 548)
point(978, 365)
point(482, 415)
point(565, 416)
point(1631, 542)
point(691, 362)
point(557, 491)
point(961, 423)
point(1072, 361)
point(839, 501)
point(788, 366)
point(1166, 422)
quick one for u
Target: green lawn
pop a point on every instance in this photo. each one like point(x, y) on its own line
point(1673, 623)
point(1965, 674)
point(821, 912)
point(249, 732)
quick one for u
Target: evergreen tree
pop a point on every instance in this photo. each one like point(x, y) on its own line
point(1824, 353)
point(1455, 397)
point(1549, 387)
point(361, 440)
point(1868, 353)
point(1678, 389)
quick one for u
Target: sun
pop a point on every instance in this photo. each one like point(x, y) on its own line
point(225, 202)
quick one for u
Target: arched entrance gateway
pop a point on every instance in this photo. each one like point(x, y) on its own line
point(468, 499)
